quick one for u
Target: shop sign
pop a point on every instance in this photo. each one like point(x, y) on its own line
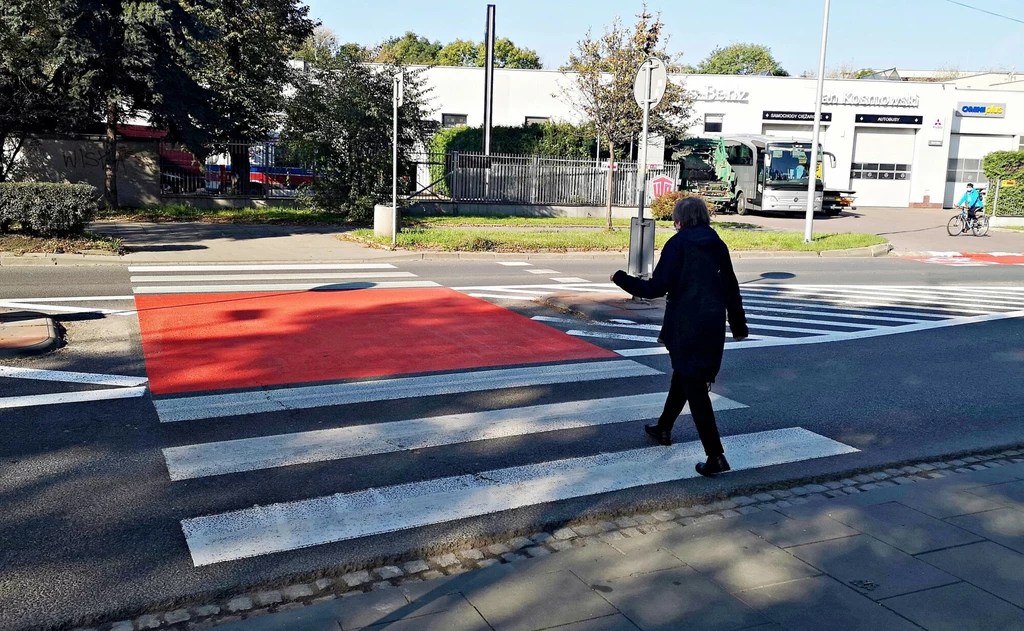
point(981, 110)
point(887, 119)
point(852, 98)
point(711, 93)
point(826, 117)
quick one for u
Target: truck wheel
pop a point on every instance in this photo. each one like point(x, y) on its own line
point(741, 204)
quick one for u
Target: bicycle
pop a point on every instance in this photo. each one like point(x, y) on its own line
point(961, 223)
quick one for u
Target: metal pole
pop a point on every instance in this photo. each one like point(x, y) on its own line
point(489, 80)
point(642, 170)
point(597, 160)
point(812, 184)
point(395, 87)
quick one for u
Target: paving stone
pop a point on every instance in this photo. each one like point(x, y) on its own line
point(939, 465)
point(206, 610)
point(722, 505)
point(835, 485)
point(904, 480)
point(748, 510)
point(956, 463)
point(971, 459)
point(560, 545)
point(815, 497)
point(646, 519)
point(430, 575)
point(1005, 526)
point(290, 607)
point(485, 563)
point(935, 475)
point(726, 514)
point(319, 600)
point(688, 511)
point(949, 608)
point(323, 583)
point(201, 626)
point(800, 490)
point(455, 570)
point(634, 532)
point(388, 572)
point(852, 490)
point(760, 497)
point(302, 590)
point(518, 543)
point(541, 538)
point(537, 551)
point(688, 521)
point(1014, 452)
point(470, 555)
point(986, 565)
point(988, 457)
point(270, 597)
point(609, 526)
point(565, 533)
point(871, 486)
point(512, 557)
point(703, 519)
point(962, 470)
point(408, 580)
point(779, 504)
point(893, 472)
point(647, 529)
point(176, 616)
point(415, 567)
point(797, 501)
point(381, 585)
point(627, 522)
point(229, 620)
point(880, 475)
point(911, 469)
point(240, 603)
point(148, 621)
point(445, 560)
point(497, 549)
point(123, 625)
point(904, 528)
point(355, 579)
point(256, 613)
point(614, 535)
point(664, 516)
point(998, 463)
point(836, 493)
point(871, 567)
point(666, 525)
point(782, 493)
point(849, 482)
point(864, 478)
point(784, 532)
point(887, 484)
point(586, 530)
point(978, 467)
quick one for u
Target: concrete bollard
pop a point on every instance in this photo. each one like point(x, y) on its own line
point(382, 218)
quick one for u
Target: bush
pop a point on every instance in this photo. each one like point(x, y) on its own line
point(661, 208)
point(47, 209)
point(1006, 165)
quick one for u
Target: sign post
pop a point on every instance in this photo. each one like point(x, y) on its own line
point(812, 185)
point(648, 90)
point(398, 96)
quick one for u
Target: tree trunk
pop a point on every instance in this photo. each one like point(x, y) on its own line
point(241, 182)
point(611, 180)
point(110, 156)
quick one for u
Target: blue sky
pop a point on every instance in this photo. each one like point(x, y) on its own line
point(909, 34)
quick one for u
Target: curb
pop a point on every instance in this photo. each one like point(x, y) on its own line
point(344, 582)
point(25, 333)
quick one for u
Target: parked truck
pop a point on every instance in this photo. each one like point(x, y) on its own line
point(749, 173)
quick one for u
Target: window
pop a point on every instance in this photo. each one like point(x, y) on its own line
point(713, 123)
point(740, 155)
point(965, 170)
point(453, 120)
point(876, 171)
point(537, 120)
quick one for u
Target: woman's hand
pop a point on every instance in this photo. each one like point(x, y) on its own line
point(612, 277)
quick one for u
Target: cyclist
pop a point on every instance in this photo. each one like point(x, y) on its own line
point(971, 201)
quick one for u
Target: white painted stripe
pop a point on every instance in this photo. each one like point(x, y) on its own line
point(267, 529)
point(643, 352)
point(853, 316)
point(622, 321)
point(251, 454)
point(50, 308)
point(953, 287)
point(75, 299)
point(570, 279)
point(852, 325)
point(306, 397)
point(37, 400)
point(941, 297)
point(203, 278)
point(590, 286)
point(612, 324)
point(542, 271)
point(502, 297)
point(140, 269)
point(224, 289)
point(845, 299)
point(796, 304)
point(613, 336)
point(64, 376)
point(893, 299)
point(531, 292)
point(514, 263)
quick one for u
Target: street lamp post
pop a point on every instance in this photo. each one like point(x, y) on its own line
point(812, 184)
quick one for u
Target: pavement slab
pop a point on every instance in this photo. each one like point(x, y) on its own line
point(959, 607)
point(987, 565)
point(905, 528)
point(1005, 526)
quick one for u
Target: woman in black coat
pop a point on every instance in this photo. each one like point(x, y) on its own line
point(696, 272)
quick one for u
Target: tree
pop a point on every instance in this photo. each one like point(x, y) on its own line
point(508, 55)
point(410, 49)
point(321, 43)
point(340, 116)
point(459, 53)
point(247, 69)
point(144, 57)
point(741, 59)
point(41, 88)
point(602, 70)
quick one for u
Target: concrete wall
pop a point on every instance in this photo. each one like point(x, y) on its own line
point(81, 161)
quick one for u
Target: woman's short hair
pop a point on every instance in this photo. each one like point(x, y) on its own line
point(690, 212)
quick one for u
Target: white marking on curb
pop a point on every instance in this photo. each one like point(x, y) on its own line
point(300, 398)
point(224, 289)
point(264, 530)
point(76, 299)
point(36, 400)
point(47, 308)
point(251, 454)
point(133, 269)
point(64, 376)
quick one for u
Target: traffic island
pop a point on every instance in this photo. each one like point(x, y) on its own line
point(26, 333)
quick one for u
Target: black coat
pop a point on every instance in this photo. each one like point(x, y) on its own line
point(696, 272)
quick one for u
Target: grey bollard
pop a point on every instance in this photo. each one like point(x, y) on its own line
point(382, 218)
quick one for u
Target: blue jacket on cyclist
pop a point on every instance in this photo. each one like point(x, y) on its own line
point(971, 199)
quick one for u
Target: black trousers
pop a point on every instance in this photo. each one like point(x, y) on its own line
point(695, 391)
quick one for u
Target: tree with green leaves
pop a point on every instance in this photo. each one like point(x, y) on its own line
point(410, 49)
point(459, 53)
point(602, 69)
point(340, 118)
point(247, 69)
point(41, 86)
point(743, 59)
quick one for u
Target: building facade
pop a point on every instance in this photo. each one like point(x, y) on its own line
point(896, 143)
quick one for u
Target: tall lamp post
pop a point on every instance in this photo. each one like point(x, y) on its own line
point(812, 184)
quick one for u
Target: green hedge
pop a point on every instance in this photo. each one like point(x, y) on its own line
point(661, 208)
point(46, 209)
point(1006, 165)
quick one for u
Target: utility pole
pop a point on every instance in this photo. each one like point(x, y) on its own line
point(812, 185)
point(397, 97)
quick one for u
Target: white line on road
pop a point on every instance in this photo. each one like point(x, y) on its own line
point(251, 277)
point(797, 305)
point(251, 454)
point(874, 298)
point(139, 269)
point(64, 376)
point(613, 336)
point(224, 289)
point(542, 271)
point(863, 301)
point(299, 398)
point(514, 264)
point(851, 316)
point(36, 400)
point(570, 279)
point(267, 529)
point(613, 324)
point(48, 308)
point(960, 297)
point(500, 297)
point(75, 299)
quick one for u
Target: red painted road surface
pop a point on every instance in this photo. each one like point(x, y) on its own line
point(971, 260)
point(222, 341)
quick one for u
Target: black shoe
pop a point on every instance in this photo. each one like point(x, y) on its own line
point(715, 464)
point(659, 436)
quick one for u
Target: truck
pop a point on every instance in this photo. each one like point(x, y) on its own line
point(752, 172)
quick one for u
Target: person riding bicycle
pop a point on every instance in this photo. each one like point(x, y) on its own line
point(971, 201)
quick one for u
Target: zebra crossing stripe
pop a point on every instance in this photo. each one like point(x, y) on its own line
point(64, 376)
point(223, 289)
point(264, 452)
point(140, 269)
point(798, 304)
point(208, 278)
point(84, 396)
point(190, 408)
point(264, 530)
point(867, 298)
point(959, 298)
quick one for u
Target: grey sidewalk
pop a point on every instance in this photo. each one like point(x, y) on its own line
point(946, 553)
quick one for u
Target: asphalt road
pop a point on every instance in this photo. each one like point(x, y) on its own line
point(91, 525)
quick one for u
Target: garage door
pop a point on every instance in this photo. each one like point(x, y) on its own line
point(799, 132)
point(966, 152)
point(882, 166)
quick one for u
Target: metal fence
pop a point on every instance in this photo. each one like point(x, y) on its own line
point(528, 180)
point(254, 170)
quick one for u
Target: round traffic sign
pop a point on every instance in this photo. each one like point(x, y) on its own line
point(653, 93)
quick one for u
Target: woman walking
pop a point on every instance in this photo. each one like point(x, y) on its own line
point(696, 272)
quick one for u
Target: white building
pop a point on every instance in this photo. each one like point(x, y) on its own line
point(897, 143)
